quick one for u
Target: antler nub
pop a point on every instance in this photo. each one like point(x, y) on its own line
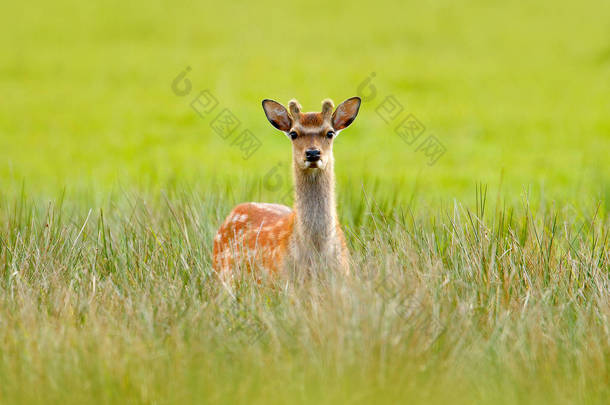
point(327, 108)
point(295, 109)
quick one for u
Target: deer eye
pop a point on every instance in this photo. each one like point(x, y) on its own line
point(330, 134)
point(293, 135)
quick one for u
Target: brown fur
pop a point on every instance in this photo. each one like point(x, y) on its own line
point(311, 120)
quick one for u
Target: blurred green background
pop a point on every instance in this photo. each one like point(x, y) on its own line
point(517, 92)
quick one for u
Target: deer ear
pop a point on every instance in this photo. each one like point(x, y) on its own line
point(277, 115)
point(345, 113)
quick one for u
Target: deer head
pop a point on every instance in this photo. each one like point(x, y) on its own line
point(312, 133)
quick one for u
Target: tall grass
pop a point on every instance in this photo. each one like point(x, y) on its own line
point(116, 302)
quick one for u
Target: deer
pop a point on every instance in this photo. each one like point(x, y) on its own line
point(276, 238)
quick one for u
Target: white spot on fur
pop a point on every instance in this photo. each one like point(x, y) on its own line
point(273, 208)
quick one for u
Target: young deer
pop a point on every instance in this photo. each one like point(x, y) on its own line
point(274, 237)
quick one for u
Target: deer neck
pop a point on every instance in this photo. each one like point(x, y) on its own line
point(316, 214)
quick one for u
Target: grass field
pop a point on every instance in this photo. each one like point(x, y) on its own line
point(481, 278)
point(459, 305)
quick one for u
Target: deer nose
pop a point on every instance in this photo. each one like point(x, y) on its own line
point(312, 155)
